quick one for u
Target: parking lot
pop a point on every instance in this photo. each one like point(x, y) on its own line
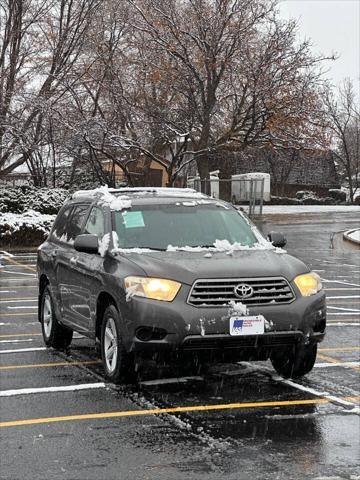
point(59, 420)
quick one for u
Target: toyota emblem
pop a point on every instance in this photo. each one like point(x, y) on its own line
point(243, 290)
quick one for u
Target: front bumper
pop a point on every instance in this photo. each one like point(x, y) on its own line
point(193, 328)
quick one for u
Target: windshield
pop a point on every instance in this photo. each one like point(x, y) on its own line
point(158, 226)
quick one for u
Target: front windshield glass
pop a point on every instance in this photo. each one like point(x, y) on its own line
point(158, 226)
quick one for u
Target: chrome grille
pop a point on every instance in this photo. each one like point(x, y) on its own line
point(219, 292)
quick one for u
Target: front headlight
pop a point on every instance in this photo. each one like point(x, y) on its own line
point(154, 288)
point(308, 284)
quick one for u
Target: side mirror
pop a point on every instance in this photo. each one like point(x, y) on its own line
point(87, 243)
point(277, 239)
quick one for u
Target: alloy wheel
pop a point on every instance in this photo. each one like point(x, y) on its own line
point(110, 345)
point(47, 316)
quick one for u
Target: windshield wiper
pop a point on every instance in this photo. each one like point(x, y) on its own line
point(153, 248)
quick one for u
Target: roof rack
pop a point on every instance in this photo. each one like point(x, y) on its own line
point(164, 191)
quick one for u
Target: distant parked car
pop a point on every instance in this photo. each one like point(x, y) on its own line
point(172, 270)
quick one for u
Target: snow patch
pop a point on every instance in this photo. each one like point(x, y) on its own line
point(106, 197)
point(115, 240)
point(13, 222)
point(104, 244)
point(238, 308)
point(132, 250)
point(226, 246)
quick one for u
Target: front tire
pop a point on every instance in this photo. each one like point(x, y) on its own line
point(54, 334)
point(296, 361)
point(117, 362)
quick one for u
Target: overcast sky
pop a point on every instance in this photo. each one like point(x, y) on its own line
point(333, 26)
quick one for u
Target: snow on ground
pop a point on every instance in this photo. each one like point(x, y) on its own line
point(15, 221)
point(294, 209)
point(353, 235)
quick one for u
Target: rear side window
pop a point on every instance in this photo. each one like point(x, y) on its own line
point(59, 229)
point(95, 224)
point(74, 226)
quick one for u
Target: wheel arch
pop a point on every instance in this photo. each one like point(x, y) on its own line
point(103, 301)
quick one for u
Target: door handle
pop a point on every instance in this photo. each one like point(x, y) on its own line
point(73, 260)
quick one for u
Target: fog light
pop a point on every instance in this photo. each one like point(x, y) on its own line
point(146, 334)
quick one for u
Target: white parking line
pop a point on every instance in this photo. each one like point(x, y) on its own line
point(352, 313)
point(298, 386)
point(340, 364)
point(22, 308)
point(11, 324)
point(339, 281)
point(342, 289)
point(18, 341)
point(18, 273)
point(67, 388)
point(352, 310)
point(317, 393)
point(17, 265)
point(23, 350)
point(27, 255)
point(343, 324)
point(341, 297)
point(7, 254)
point(9, 280)
point(23, 300)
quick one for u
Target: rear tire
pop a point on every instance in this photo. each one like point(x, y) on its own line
point(296, 361)
point(118, 363)
point(54, 334)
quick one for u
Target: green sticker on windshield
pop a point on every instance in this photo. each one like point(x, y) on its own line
point(133, 219)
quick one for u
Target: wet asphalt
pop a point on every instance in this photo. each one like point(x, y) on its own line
point(235, 421)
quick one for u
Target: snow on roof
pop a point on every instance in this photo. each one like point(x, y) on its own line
point(104, 192)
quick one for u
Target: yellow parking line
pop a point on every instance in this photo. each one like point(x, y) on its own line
point(159, 411)
point(326, 358)
point(14, 262)
point(352, 399)
point(53, 364)
point(329, 359)
point(339, 349)
point(9, 335)
point(17, 314)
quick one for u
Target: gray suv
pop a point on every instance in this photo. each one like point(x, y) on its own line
point(155, 271)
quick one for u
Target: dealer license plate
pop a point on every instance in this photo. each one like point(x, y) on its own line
point(247, 325)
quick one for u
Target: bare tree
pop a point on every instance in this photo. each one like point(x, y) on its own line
point(169, 82)
point(42, 42)
point(238, 72)
point(343, 119)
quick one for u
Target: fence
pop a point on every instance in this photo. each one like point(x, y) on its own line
point(15, 180)
point(249, 192)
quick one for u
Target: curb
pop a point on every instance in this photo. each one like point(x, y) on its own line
point(349, 238)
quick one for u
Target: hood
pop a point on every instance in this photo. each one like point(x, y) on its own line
point(186, 267)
